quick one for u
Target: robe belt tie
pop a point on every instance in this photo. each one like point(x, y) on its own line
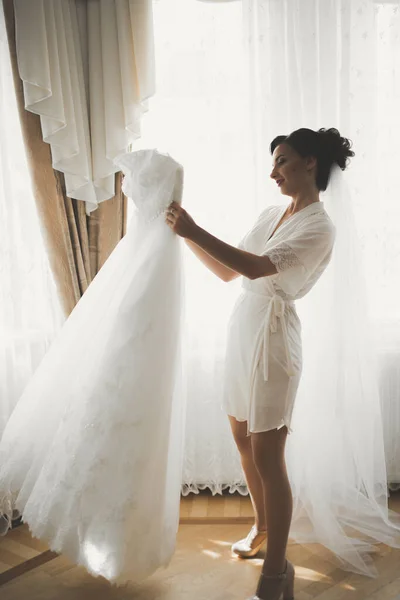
point(275, 311)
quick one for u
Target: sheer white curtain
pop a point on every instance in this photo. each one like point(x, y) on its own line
point(30, 313)
point(337, 64)
point(199, 116)
point(307, 65)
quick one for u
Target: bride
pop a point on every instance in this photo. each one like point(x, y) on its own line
point(336, 478)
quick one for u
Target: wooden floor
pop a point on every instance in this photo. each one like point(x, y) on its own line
point(201, 569)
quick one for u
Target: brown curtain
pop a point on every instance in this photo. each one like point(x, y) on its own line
point(77, 245)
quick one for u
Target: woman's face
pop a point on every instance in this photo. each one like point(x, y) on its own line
point(292, 173)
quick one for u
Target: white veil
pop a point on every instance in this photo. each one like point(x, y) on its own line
point(335, 455)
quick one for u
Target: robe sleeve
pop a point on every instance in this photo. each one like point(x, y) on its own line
point(297, 257)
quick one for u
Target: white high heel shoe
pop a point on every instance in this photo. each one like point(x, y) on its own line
point(251, 545)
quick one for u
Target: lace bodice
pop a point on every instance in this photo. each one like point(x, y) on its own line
point(151, 180)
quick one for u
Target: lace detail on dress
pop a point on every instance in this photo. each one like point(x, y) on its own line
point(283, 257)
point(80, 476)
point(152, 180)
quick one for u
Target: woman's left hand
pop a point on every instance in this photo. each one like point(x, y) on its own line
point(179, 220)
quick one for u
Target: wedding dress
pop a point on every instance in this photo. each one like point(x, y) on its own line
point(91, 455)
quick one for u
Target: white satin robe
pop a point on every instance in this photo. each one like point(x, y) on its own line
point(264, 353)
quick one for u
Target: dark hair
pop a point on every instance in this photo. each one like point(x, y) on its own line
point(326, 145)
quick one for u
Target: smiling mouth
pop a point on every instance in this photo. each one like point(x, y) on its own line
point(279, 182)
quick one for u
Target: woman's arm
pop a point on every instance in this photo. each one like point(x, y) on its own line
point(250, 265)
point(245, 263)
point(211, 263)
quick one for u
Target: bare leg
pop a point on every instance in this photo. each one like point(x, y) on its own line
point(269, 457)
point(253, 479)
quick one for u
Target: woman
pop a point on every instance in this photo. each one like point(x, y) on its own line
point(280, 259)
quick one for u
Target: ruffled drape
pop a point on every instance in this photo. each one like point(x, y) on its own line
point(87, 70)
